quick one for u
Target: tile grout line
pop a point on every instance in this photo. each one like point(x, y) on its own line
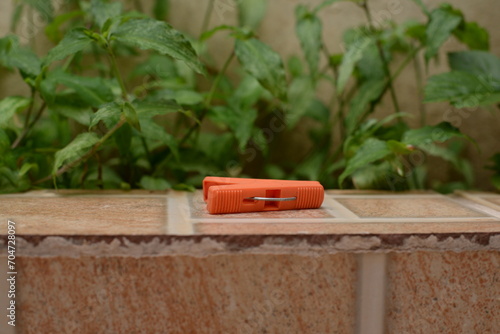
point(178, 221)
point(477, 206)
point(340, 208)
point(371, 293)
point(478, 203)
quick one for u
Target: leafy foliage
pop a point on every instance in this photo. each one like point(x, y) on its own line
point(178, 115)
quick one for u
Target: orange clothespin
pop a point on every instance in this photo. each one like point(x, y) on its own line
point(232, 195)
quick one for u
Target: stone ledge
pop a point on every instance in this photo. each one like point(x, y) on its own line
point(141, 223)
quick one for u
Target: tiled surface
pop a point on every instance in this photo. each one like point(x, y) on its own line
point(180, 213)
point(402, 207)
point(179, 294)
point(443, 293)
point(85, 214)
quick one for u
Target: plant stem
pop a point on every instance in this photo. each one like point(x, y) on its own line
point(418, 78)
point(114, 66)
point(398, 71)
point(405, 62)
point(207, 102)
point(87, 155)
point(385, 64)
point(209, 99)
point(208, 14)
point(217, 80)
point(28, 128)
point(108, 134)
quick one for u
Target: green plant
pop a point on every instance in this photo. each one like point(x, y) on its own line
point(474, 81)
point(91, 123)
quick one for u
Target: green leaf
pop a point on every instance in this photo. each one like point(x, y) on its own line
point(324, 4)
point(495, 166)
point(94, 91)
point(187, 97)
point(75, 150)
point(260, 61)
point(474, 36)
point(442, 22)
point(370, 151)
point(235, 31)
point(431, 134)
point(352, 56)
point(160, 9)
point(123, 139)
point(240, 121)
point(318, 111)
point(148, 109)
point(7, 43)
point(248, 92)
point(158, 134)
point(108, 113)
point(74, 41)
point(398, 147)
point(368, 93)
point(16, 16)
point(44, 8)
point(251, 12)
point(26, 61)
point(152, 183)
point(4, 143)
point(294, 66)
point(149, 34)
point(417, 31)
point(371, 67)
point(478, 63)
point(300, 95)
point(309, 31)
point(80, 115)
point(374, 176)
point(52, 30)
point(131, 115)
point(274, 172)
point(156, 66)
point(461, 89)
point(219, 148)
point(102, 11)
point(422, 6)
point(311, 167)
point(12, 55)
point(9, 106)
point(184, 187)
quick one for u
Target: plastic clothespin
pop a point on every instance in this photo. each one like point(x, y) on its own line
point(233, 195)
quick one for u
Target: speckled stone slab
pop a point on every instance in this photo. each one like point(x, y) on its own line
point(184, 294)
point(443, 292)
point(380, 220)
point(140, 262)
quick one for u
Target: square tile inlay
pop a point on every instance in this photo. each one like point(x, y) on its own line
point(407, 207)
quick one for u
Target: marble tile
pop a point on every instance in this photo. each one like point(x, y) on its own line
point(99, 215)
point(431, 292)
point(259, 293)
point(407, 207)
